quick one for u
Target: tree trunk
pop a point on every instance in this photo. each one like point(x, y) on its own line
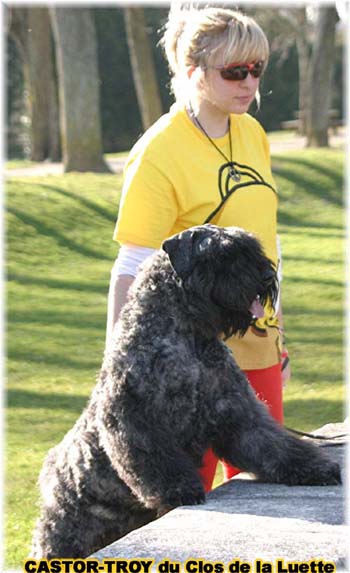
point(76, 53)
point(303, 62)
point(143, 68)
point(54, 112)
point(321, 70)
point(31, 30)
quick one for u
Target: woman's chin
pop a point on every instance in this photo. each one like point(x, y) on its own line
point(241, 106)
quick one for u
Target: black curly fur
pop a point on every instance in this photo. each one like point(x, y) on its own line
point(169, 388)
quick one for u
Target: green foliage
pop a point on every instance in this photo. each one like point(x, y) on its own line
point(59, 258)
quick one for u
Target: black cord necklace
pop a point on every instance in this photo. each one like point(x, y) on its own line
point(233, 173)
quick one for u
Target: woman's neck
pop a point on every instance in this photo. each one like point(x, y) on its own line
point(213, 119)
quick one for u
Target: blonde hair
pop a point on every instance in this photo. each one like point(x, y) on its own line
point(194, 36)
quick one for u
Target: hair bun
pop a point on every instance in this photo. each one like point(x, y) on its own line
point(174, 29)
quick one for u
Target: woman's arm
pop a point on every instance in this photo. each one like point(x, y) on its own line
point(117, 296)
point(122, 276)
point(285, 364)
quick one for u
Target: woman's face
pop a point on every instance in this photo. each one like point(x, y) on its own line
point(226, 95)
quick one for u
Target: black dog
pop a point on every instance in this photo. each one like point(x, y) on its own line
point(170, 388)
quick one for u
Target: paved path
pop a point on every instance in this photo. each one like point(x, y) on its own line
point(49, 168)
point(294, 142)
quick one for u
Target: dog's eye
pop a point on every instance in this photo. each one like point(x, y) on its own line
point(205, 244)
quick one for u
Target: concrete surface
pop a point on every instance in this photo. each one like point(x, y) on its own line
point(247, 520)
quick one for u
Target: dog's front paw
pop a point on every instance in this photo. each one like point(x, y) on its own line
point(324, 473)
point(330, 474)
point(181, 495)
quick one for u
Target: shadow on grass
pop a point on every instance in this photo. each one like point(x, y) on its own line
point(42, 400)
point(309, 341)
point(100, 287)
point(79, 319)
point(307, 182)
point(109, 215)
point(61, 360)
point(315, 326)
point(313, 166)
point(322, 282)
point(49, 231)
point(309, 377)
point(313, 230)
point(315, 311)
point(336, 261)
point(298, 225)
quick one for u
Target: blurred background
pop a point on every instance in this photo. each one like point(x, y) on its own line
point(120, 85)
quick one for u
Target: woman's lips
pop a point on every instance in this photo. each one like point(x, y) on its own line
point(244, 99)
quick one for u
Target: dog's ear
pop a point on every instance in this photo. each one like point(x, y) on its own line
point(179, 251)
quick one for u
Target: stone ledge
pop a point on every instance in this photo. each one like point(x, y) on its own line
point(247, 520)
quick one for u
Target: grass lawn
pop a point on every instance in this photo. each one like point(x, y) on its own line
point(20, 163)
point(59, 258)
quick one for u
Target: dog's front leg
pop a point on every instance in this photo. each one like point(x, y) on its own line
point(249, 438)
point(146, 458)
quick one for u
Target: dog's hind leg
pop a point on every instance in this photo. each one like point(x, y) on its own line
point(61, 533)
point(75, 533)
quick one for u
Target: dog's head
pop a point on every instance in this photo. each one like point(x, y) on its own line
point(225, 275)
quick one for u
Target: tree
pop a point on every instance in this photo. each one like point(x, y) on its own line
point(299, 21)
point(142, 64)
point(76, 54)
point(321, 71)
point(315, 42)
point(30, 28)
point(288, 27)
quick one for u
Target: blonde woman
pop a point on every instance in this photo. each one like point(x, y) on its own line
point(207, 160)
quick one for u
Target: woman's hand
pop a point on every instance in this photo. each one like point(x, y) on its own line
point(285, 367)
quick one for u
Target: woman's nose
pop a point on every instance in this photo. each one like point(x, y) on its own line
point(250, 82)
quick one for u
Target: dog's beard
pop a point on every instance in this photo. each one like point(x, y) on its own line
point(233, 308)
point(240, 304)
point(214, 301)
point(235, 323)
point(224, 303)
point(268, 291)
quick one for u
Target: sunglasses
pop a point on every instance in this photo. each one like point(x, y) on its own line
point(238, 72)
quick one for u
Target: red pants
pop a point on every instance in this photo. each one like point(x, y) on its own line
point(267, 384)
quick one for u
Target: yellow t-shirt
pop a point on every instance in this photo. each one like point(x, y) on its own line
point(173, 182)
